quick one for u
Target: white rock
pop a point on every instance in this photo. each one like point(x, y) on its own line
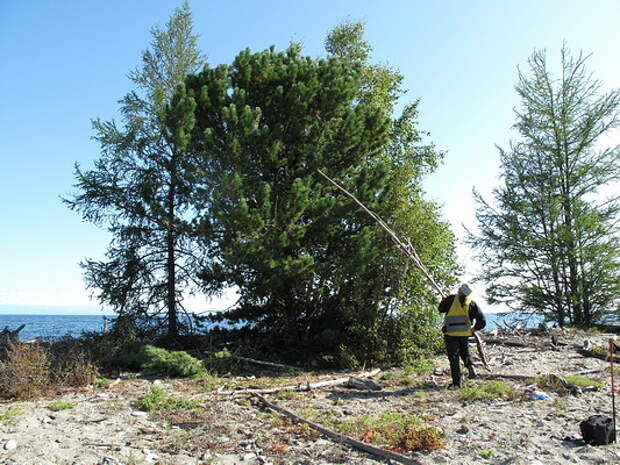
point(139, 413)
point(157, 382)
point(249, 456)
point(10, 444)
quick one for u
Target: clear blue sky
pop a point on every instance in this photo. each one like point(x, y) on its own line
point(64, 63)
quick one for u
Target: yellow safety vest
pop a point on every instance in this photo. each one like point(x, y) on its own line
point(457, 319)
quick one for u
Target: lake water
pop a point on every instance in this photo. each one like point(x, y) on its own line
point(74, 325)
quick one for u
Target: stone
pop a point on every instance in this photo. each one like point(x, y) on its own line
point(139, 414)
point(10, 444)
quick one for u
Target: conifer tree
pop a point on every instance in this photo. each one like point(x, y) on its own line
point(140, 189)
point(549, 243)
point(315, 274)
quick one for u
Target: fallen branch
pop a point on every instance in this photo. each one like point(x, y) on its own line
point(303, 387)
point(386, 454)
point(599, 355)
point(260, 362)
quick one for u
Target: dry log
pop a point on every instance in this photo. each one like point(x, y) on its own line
point(481, 352)
point(599, 355)
point(7, 335)
point(386, 454)
point(368, 384)
point(261, 362)
point(303, 387)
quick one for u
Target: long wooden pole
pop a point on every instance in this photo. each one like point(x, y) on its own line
point(613, 387)
point(408, 249)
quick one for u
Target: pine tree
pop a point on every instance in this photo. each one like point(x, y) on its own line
point(550, 245)
point(315, 274)
point(140, 189)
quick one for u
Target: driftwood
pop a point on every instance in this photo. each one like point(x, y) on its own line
point(308, 386)
point(261, 362)
point(386, 454)
point(7, 335)
point(408, 249)
point(599, 355)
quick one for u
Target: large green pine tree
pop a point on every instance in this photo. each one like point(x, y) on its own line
point(549, 243)
point(314, 273)
point(140, 189)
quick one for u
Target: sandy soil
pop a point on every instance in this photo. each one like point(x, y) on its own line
point(104, 427)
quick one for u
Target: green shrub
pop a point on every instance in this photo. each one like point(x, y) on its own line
point(102, 383)
point(59, 405)
point(7, 417)
point(156, 399)
point(141, 356)
point(490, 390)
point(400, 432)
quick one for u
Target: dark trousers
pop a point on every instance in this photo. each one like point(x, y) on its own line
point(456, 346)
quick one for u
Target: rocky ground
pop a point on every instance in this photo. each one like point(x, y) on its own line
point(103, 426)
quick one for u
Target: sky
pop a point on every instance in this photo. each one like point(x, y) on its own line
point(63, 64)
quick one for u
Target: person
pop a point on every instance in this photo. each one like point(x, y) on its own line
point(460, 312)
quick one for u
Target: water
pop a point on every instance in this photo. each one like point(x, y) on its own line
point(74, 325)
point(496, 320)
point(52, 325)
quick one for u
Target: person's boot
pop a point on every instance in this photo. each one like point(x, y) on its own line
point(472, 372)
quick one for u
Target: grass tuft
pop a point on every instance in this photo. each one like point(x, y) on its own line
point(59, 405)
point(156, 399)
point(489, 390)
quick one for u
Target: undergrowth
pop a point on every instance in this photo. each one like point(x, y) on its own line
point(489, 390)
point(156, 399)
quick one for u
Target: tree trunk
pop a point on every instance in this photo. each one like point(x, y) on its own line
point(173, 329)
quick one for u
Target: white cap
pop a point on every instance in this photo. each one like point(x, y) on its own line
point(464, 289)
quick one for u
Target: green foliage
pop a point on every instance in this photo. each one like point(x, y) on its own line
point(140, 189)
point(156, 399)
point(317, 277)
point(102, 383)
point(59, 405)
point(151, 359)
point(398, 431)
point(486, 453)
point(172, 363)
point(550, 241)
point(488, 390)
point(553, 383)
point(7, 416)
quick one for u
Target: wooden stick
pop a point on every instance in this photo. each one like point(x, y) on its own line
point(261, 362)
point(613, 385)
point(303, 387)
point(386, 454)
point(410, 252)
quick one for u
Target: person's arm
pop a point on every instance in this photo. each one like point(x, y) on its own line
point(445, 304)
point(475, 314)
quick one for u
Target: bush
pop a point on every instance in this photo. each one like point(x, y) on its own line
point(60, 405)
point(25, 371)
point(141, 356)
point(400, 432)
point(155, 399)
point(490, 390)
